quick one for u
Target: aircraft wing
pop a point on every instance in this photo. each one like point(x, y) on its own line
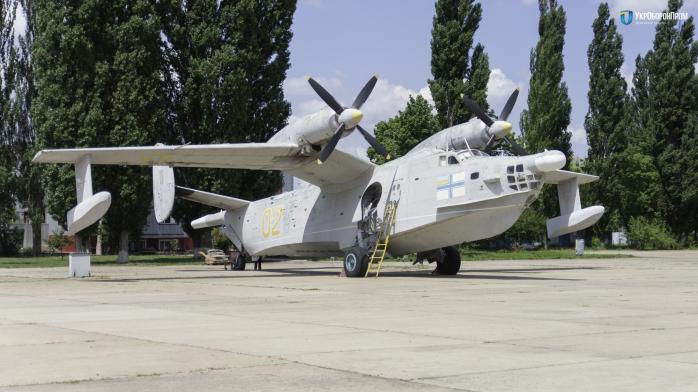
point(558, 176)
point(260, 156)
point(340, 168)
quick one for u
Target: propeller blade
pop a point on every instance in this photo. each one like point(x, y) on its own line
point(477, 110)
point(517, 148)
point(329, 147)
point(326, 96)
point(372, 141)
point(364, 93)
point(506, 111)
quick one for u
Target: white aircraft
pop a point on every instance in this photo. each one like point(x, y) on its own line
point(449, 189)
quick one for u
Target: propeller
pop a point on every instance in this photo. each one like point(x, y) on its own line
point(347, 117)
point(497, 128)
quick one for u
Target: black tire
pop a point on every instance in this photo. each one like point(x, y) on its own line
point(451, 261)
point(355, 262)
point(240, 263)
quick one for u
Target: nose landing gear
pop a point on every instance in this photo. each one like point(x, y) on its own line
point(355, 262)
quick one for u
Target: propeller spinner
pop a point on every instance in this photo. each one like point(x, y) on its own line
point(348, 118)
point(497, 129)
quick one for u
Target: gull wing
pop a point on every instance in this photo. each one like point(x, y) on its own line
point(340, 168)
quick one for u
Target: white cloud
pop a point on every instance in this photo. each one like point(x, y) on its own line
point(387, 99)
point(578, 140)
point(529, 2)
point(500, 87)
point(299, 86)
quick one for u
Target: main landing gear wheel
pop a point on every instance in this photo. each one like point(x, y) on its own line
point(355, 262)
point(449, 263)
point(240, 262)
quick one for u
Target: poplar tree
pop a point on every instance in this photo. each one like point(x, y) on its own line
point(606, 119)
point(97, 69)
point(227, 62)
point(137, 116)
point(456, 67)
point(30, 191)
point(7, 70)
point(544, 123)
point(672, 102)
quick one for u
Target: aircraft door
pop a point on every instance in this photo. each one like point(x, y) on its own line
point(398, 192)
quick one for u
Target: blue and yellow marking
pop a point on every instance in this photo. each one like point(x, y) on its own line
point(450, 186)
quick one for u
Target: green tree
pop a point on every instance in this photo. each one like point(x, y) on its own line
point(230, 60)
point(137, 115)
point(605, 122)
point(97, 69)
point(636, 184)
point(401, 133)
point(29, 189)
point(457, 68)
point(672, 102)
point(7, 113)
point(544, 123)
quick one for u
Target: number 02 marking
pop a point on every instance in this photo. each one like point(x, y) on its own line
point(271, 221)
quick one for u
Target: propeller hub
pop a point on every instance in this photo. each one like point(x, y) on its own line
point(500, 129)
point(350, 117)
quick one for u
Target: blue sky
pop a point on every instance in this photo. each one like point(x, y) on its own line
point(343, 43)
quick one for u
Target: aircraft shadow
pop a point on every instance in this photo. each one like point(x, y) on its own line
point(493, 274)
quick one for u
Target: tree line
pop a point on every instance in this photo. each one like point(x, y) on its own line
point(643, 139)
point(136, 72)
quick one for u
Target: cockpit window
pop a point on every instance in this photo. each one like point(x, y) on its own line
point(510, 170)
point(519, 168)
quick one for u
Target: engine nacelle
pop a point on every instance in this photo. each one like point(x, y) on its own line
point(316, 128)
point(458, 137)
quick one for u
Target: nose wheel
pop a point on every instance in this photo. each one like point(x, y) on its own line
point(355, 262)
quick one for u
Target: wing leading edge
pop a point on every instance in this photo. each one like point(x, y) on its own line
point(286, 157)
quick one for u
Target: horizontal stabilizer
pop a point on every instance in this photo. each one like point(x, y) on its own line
point(211, 220)
point(210, 199)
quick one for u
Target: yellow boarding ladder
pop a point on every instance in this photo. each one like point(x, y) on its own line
point(376, 260)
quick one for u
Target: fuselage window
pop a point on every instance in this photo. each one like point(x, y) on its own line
point(452, 160)
point(442, 160)
point(474, 176)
